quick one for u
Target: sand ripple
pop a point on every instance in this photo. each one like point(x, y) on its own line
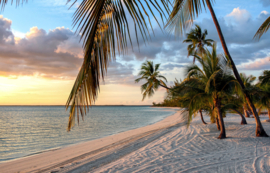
point(197, 150)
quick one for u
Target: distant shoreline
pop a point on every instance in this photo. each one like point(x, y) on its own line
point(64, 105)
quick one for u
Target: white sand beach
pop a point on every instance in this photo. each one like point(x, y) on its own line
point(166, 146)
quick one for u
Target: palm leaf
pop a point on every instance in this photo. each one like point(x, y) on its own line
point(104, 28)
point(263, 29)
point(183, 14)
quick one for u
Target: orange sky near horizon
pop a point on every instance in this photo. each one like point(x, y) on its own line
point(31, 90)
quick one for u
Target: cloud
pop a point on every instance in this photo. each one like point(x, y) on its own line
point(119, 73)
point(258, 64)
point(240, 15)
point(239, 36)
point(170, 66)
point(56, 54)
point(238, 28)
point(6, 35)
point(38, 53)
point(265, 3)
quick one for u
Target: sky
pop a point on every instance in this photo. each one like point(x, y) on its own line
point(40, 52)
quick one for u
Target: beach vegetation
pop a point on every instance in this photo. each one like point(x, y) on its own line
point(250, 88)
point(182, 16)
point(263, 28)
point(151, 74)
point(216, 79)
point(197, 41)
point(263, 98)
point(265, 78)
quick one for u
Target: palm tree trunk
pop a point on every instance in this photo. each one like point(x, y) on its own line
point(165, 87)
point(222, 134)
point(202, 117)
point(246, 113)
point(243, 121)
point(217, 122)
point(268, 114)
point(259, 128)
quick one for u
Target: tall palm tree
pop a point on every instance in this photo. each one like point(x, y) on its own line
point(198, 41)
point(265, 78)
point(216, 79)
point(183, 14)
point(150, 73)
point(192, 97)
point(263, 28)
point(248, 82)
point(263, 101)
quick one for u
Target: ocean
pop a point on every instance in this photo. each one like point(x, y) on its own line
point(27, 130)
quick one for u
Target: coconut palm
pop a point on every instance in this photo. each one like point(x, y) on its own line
point(215, 76)
point(265, 78)
point(198, 41)
point(183, 14)
point(236, 105)
point(263, 28)
point(192, 97)
point(247, 80)
point(263, 101)
point(150, 73)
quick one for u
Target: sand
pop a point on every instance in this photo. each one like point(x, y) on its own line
point(167, 146)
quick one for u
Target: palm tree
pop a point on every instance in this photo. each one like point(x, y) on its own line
point(192, 97)
point(215, 77)
point(265, 78)
point(234, 103)
point(150, 73)
point(197, 41)
point(247, 80)
point(263, 28)
point(263, 101)
point(183, 14)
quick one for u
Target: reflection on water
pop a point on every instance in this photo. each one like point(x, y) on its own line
point(26, 130)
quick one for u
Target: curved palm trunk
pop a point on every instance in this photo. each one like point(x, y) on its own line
point(202, 117)
point(217, 122)
point(246, 113)
point(222, 134)
point(259, 128)
point(165, 87)
point(268, 115)
point(243, 121)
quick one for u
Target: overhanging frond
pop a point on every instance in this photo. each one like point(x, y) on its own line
point(183, 14)
point(263, 29)
point(104, 29)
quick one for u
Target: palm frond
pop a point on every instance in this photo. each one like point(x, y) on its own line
point(104, 29)
point(18, 2)
point(263, 29)
point(183, 14)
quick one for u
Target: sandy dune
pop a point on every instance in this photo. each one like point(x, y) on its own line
point(167, 146)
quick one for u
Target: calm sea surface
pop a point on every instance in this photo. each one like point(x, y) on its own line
point(26, 130)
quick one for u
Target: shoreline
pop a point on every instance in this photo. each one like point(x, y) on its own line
point(66, 144)
point(65, 155)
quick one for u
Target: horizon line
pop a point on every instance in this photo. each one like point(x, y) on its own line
point(65, 105)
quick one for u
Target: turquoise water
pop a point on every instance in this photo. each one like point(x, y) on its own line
point(26, 130)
